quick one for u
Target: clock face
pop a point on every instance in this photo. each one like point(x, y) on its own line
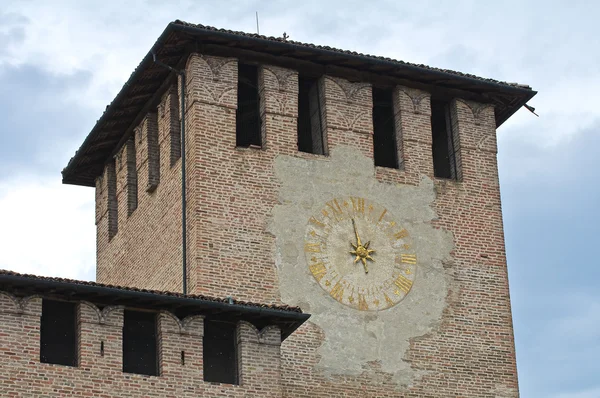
point(359, 254)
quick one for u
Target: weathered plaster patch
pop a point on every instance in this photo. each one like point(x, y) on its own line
point(354, 338)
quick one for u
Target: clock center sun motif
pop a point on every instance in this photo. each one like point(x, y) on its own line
point(363, 253)
point(374, 275)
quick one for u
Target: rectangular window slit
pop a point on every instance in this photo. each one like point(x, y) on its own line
point(132, 180)
point(113, 206)
point(174, 125)
point(311, 138)
point(153, 151)
point(58, 333)
point(140, 343)
point(385, 147)
point(220, 352)
point(248, 121)
point(443, 140)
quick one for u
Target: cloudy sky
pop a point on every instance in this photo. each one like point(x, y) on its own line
point(62, 62)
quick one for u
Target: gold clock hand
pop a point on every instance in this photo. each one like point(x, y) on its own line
point(364, 261)
point(356, 233)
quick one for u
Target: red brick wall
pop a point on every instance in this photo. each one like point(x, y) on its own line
point(232, 192)
point(146, 249)
point(22, 374)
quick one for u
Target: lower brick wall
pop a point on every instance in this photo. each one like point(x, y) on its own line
point(100, 374)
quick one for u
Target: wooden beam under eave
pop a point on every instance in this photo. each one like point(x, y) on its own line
point(142, 111)
point(352, 74)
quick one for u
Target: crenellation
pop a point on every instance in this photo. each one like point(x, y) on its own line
point(101, 200)
point(477, 136)
point(100, 343)
point(477, 126)
point(348, 121)
point(280, 88)
point(100, 355)
point(398, 127)
point(415, 128)
point(350, 109)
point(209, 80)
point(279, 97)
point(258, 357)
point(122, 186)
point(170, 125)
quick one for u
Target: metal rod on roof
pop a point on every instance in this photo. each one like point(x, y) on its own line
point(257, 30)
point(181, 73)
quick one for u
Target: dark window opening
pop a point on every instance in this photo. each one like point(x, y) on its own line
point(58, 333)
point(444, 155)
point(139, 343)
point(153, 151)
point(385, 147)
point(174, 125)
point(310, 126)
point(113, 205)
point(132, 178)
point(248, 123)
point(220, 352)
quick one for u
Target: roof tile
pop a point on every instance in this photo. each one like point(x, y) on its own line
point(157, 292)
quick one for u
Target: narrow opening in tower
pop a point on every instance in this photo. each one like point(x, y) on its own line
point(248, 107)
point(220, 352)
point(140, 343)
point(310, 126)
point(58, 333)
point(385, 147)
point(444, 155)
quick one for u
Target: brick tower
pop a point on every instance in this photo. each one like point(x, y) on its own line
point(361, 189)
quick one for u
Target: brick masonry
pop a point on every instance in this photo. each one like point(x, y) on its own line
point(99, 374)
point(231, 195)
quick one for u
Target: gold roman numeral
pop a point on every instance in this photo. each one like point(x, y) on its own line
point(388, 300)
point(381, 216)
point(403, 283)
point(312, 248)
point(401, 234)
point(408, 258)
point(337, 292)
point(316, 222)
point(358, 204)
point(318, 270)
point(335, 207)
point(362, 302)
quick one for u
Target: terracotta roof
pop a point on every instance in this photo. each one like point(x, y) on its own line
point(141, 92)
point(286, 317)
point(337, 50)
point(156, 292)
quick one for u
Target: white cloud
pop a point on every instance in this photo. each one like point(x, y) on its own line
point(47, 228)
point(109, 40)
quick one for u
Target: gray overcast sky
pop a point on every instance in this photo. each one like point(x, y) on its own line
point(62, 62)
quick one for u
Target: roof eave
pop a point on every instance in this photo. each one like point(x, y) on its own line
point(72, 290)
point(72, 173)
point(361, 58)
point(66, 178)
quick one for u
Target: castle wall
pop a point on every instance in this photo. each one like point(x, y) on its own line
point(99, 372)
point(132, 256)
point(249, 213)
